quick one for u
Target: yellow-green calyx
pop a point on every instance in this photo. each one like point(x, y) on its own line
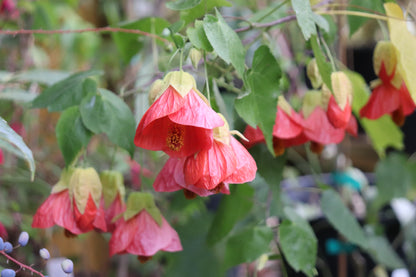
point(222, 133)
point(195, 55)
point(342, 88)
point(313, 74)
point(85, 182)
point(113, 184)
point(386, 53)
point(137, 201)
point(284, 105)
point(181, 81)
point(63, 182)
point(311, 100)
point(155, 90)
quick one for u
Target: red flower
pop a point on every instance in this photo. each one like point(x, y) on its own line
point(211, 170)
point(116, 208)
point(390, 94)
point(179, 122)
point(143, 231)
point(338, 117)
point(287, 130)
point(1, 157)
point(3, 232)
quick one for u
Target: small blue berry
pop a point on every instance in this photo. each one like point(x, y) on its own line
point(8, 273)
point(67, 266)
point(44, 253)
point(1, 244)
point(23, 238)
point(8, 247)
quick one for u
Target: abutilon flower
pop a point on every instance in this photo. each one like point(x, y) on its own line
point(287, 130)
point(390, 94)
point(60, 208)
point(179, 122)
point(209, 171)
point(136, 171)
point(113, 197)
point(142, 230)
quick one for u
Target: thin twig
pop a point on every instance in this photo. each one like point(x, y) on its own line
point(21, 264)
point(96, 30)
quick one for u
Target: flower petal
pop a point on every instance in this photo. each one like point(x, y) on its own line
point(339, 118)
point(287, 126)
point(246, 167)
point(320, 130)
point(165, 180)
point(384, 99)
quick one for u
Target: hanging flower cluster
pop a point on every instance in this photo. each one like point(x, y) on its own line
point(204, 157)
point(323, 119)
point(390, 94)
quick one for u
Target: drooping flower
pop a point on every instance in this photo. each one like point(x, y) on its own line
point(113, 197)
point(179, 122)
point(390, 94)
point(209, 171)
point(287, 130)
point(143, 230)
point(136, 171)
point(59, 209)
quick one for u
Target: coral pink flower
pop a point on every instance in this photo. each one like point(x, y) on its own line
point(211, 170)
point(143, 233)
point(390, 94)
point(179, 122)
point(339, 118)
point(116, 208)
point(136, 171)
point(1, 156)
point(287, 130)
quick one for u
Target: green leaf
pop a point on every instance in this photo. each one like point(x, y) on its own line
point(72, 134)
point(393, 178)
point(104, 112)
point(182, 4)
point(307, 19)
point(11, 138)
point(341, 218)
point(225, 41)
point(240, 202)
point(43, 76)
point(17, 95)
point(271, 168)
point(130, 44)
point(204, 7)
point(247, 245)
point(258, 108)
point(381, 250)
point(324, 67)
point(198, 37)
point(298, 243)
point(65, 93)
point(382, 132)
point(355, 22)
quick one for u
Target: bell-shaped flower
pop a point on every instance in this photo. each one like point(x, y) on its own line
point(143, 230)
point(390, 94)
point(209, 171)
point(180, 121)
point(113, 197)
point(287, 130)
point(85, 190)
point(57, 208)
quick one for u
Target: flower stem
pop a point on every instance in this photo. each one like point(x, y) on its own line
point(206, 78)
point(21, 264)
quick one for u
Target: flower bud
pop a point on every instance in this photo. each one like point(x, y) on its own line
point(67, 266)
point(195, 55)
point(44, 253)
point(23, 238)
point(342, 88)
point(155, 91)
point(385, 54)
point(313, 74)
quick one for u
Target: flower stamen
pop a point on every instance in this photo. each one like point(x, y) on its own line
point(175, 139)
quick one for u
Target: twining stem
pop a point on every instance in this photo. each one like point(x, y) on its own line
point(20, 264)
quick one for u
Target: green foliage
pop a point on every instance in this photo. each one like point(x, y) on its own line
point(182, 4)
point(298, 242)
point(382, 252)
point(130, 44)
point(64, 94)
point(258, 108)
point(198, 37)
point(272, 167)
point(247, 245)
point(356, 22)
point(72, 134)
point(307, 19)
point(204, 7)
point(225, 41)
point(104, 112)
point(14, 143)
point(324, 67)
point(240, 203)
point(341, 218)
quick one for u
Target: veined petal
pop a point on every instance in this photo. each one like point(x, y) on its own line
point(165, 180)
point(352, 127)
point(246, 167)
point(116, 208)
point(287, 126)
point(254, 136)
point(85, 219)
point(208, 168)
point(195, 112)
point(406, 102)
point(320, 130)
point(123, 236)
point(169, 102)
point(384, 99)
